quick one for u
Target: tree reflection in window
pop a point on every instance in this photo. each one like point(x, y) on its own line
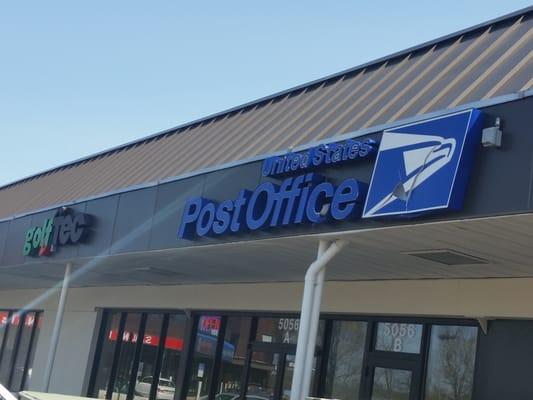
point(450, 371)
point(345, 359)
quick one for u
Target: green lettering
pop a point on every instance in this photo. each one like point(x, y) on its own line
point(28, 247)
point(47, 232)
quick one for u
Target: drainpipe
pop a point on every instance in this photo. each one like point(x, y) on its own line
point(57, 328)
point(309, 318)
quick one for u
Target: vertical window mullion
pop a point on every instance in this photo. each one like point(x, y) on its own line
point(31, 344)
point(159, 357)
point(424, 352)
point(213, 379)
point(22, 320)
point(116, 356)
point(137, 357)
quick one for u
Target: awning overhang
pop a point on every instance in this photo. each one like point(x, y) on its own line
point(501, 245)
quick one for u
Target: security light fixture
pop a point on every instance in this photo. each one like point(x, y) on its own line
point(447, 257)
point(492, 136)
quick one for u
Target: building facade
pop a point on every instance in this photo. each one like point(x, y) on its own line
point(188, 249)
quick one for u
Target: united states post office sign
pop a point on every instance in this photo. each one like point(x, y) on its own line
point(419, 168)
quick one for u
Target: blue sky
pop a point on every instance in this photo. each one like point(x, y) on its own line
point(80, 77)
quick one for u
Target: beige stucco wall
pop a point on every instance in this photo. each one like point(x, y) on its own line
point(492, 298)
point(503, 298)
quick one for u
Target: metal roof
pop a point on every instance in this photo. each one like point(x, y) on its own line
point(483, 62)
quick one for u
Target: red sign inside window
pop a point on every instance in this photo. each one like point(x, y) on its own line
point(210, 325)
point(172, 343)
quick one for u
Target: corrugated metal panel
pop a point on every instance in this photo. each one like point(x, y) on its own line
point(488, 61)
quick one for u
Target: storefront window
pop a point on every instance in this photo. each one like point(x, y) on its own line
point(9, 349)
point(106, 354)
point(148, 353)
point(204, 356)
point(233, 355)
point(345, 359)
point(31, 355)
point(399, 337)
point(264, 369)
point(18, 335)
point(282, 330)
point(450, 372)
point(138, 349)
point(23, 350)
point(145, 371)
point(391, 384)
point(130, 337)
point(171, 356)
point(278, 330)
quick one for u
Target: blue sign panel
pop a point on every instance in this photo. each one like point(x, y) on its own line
point(420, 167)
point(424, 166)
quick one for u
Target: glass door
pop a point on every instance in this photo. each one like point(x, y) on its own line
point(391, 384)
point(264, 371)
point(287, 376)
point(270, 372)
point(394, 362)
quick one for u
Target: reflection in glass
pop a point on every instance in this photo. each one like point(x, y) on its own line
point(450, 371)
point(145, 372)
point(4, 329)
point(107, 350)
point(22, 352)
point(399, 337)
point(204, 356)
point(391, 384)
point(16, 333)
point(9, 348)
point(264, 367)
point(233, 355)
point(287, 376)
point(282, 330)
point(4, 323)
point(130, 338)
point(29, 370)
point(345, 359)
point(171, 357)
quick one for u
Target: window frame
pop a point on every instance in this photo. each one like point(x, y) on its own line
point(369, 357)
point(96, 347)
point(38, 315)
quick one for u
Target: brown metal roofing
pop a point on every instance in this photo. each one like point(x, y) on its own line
point(486, 62)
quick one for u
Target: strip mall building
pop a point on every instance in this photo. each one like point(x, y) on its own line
point(406, 182)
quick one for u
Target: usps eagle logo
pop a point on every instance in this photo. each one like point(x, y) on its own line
point(424, 166)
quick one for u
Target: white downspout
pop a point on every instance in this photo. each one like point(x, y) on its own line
point(57, 328)
point(314, 281)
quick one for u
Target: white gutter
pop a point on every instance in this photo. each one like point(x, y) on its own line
point(309, 318)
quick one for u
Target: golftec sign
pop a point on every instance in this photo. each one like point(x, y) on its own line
point(66, 227)
point(420, 167)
